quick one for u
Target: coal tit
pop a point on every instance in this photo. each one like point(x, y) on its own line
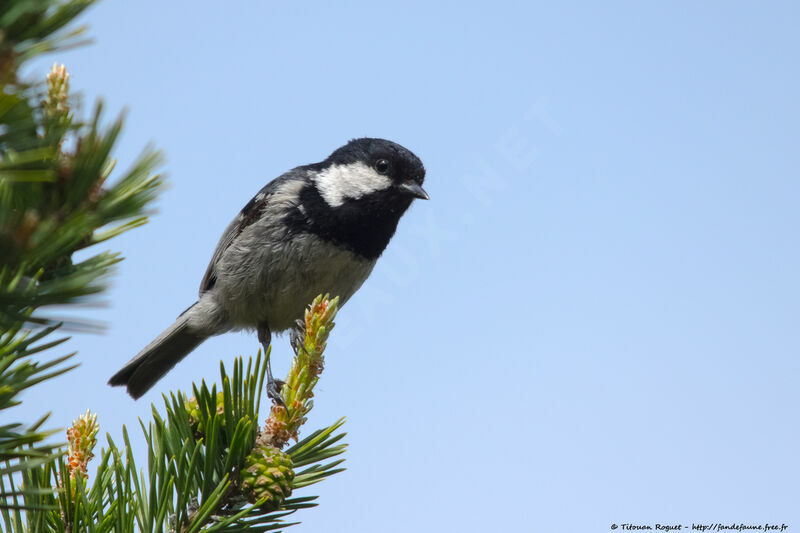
point(316, 229)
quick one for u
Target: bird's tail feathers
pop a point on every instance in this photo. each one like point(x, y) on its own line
point(158, 357)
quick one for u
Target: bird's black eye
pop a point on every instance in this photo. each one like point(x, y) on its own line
point(382, 166)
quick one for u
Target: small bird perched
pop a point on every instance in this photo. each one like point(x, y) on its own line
point(316, 229)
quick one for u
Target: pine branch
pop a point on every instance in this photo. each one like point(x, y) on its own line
point(260, 483)
point(53, 202)
point(34, 27)
point(208, 468)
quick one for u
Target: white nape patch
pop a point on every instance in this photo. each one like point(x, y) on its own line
point(286, 195)
point(340, 182)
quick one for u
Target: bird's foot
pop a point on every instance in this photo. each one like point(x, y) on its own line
point(274, 387)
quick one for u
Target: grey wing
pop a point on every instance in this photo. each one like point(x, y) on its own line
point(249, 214)
point(233, 229)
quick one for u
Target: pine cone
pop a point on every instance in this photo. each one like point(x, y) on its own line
point(267, 474)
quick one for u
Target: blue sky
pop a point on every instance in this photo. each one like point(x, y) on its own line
point(594, 319)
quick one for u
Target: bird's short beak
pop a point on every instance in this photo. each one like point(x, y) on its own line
point(414, 189)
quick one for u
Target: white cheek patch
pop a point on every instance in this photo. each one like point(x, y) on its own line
point(340, 182)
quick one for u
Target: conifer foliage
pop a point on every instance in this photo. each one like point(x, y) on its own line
point(210, 466)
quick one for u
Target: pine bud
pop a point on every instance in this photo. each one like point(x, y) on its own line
point(309, 342)
point(196, 418)
point(82, 437)
point(57, 91)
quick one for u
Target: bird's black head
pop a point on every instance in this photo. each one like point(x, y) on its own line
point(369, 166)
point(358, 194)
